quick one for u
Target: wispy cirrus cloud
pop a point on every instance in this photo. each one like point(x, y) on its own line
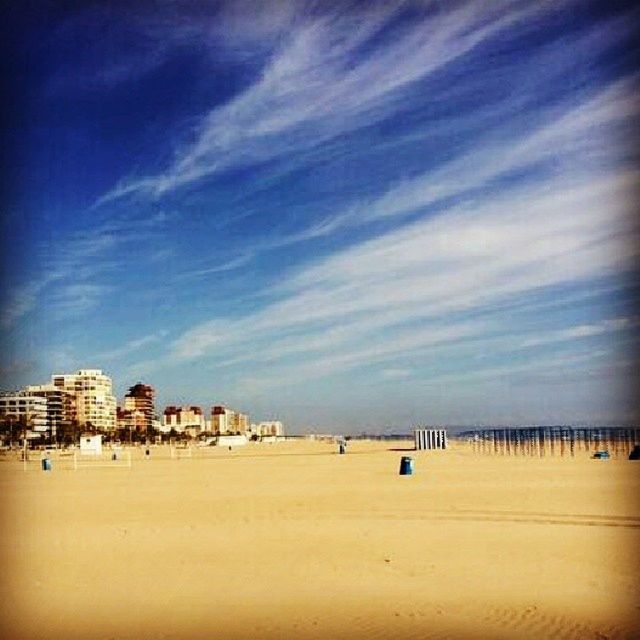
point(73, 273)
point(582, 331)
point(466, 261)
point(319, 84)
point(585, 138)
point(131, 346)
point(22, 300)
point(78, 298)
point(215, 268)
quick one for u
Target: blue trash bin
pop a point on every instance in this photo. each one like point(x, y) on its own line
point(406, 466)
point(46, 464)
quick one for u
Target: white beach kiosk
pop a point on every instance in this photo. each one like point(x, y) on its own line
point(236, 440)
point(90, 454)
point(90, 445)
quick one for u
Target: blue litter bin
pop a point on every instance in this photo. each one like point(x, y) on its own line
point(341, 448)
point(46, 464)
point(406, 466)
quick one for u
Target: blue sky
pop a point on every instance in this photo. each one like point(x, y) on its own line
point(349, 216)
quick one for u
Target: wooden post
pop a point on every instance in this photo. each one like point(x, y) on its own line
point(572, 442)
point(533, 447)
point(530, 443)
point(534, 442)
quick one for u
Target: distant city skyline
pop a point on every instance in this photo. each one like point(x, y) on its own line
point(344, 216)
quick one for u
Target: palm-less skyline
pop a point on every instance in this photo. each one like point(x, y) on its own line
point(344, 215)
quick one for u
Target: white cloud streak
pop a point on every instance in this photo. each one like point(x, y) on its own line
point(71, 270)
point(468, 260)
point(582, 331)
point(575, 140)
point(132, 346)
point(315, 88)
point(471, 256)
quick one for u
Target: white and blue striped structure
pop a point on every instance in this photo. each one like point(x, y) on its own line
point(430, 438)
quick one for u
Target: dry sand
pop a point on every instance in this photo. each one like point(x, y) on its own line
point(293, 541)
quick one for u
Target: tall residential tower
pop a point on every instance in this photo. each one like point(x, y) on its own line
point(139, 401)
point(95, 402)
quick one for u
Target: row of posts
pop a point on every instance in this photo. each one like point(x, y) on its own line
point(541, 441)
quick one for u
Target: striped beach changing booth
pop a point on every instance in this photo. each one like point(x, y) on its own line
point(427, 438)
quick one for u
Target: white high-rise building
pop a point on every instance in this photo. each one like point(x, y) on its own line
point(95, 402)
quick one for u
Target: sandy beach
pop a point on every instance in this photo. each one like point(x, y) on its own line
point(290, 540)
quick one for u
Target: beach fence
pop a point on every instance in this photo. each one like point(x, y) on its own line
point(180, 452)
point(107, 459)
point(74, 460)
point(552, 440)
point(430, 438)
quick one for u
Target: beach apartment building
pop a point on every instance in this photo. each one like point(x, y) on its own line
point(23, 412)
point(131, 420)
point(268, 428)
point(227, 421)
point(61, 406)
point(240, 422)
point(185, 419)
point(95, 402)
point(139, 401)
point(220, 419)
